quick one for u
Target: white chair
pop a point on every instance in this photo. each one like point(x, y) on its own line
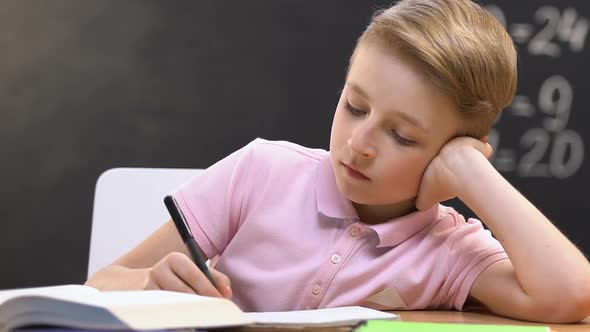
point(129, 206)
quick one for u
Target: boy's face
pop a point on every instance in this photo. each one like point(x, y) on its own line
point(388, 125)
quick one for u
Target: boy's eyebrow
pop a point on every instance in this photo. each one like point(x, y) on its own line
point(404, 116)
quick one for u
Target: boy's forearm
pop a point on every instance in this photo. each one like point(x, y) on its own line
point(548, 266)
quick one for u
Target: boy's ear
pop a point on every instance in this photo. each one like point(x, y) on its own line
point(484, 138)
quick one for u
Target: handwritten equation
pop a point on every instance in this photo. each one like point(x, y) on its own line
point(552, 30)
point(551, 149)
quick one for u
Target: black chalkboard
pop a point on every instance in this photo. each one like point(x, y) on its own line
point(540, 141)
point(88, 86)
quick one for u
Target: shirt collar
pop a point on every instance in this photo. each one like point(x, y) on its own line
point(398, 230)
point(332, 204)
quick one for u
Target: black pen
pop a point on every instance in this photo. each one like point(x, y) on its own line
point(187, 236)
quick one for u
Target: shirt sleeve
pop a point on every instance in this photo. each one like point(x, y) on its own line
point(212, 201)
point(471, 250)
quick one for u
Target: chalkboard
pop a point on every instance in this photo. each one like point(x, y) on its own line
point(88, 86)
point(541, 140)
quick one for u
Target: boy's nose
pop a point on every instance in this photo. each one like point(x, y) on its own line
point(361, 144)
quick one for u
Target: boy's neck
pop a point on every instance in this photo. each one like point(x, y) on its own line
point(377, 214)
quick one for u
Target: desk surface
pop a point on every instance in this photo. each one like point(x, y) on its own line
point(441, 317)
point(481, 318)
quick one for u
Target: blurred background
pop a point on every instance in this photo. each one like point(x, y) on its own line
point(90, 85)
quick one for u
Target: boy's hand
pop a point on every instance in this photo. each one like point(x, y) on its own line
point(177, 272)
point(441, 180)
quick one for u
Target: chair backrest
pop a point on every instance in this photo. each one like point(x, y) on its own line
point(129, 206)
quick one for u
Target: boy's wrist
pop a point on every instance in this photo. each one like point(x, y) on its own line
point(468, 166)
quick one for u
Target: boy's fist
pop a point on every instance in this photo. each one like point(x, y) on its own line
point(177, 272)
point(441, 179)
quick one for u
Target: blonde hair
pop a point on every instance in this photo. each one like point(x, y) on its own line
point(460, 47)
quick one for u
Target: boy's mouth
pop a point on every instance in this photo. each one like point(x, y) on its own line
point(354, 173)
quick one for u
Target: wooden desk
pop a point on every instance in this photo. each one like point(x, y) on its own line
point(433, 317)
point(481, 318)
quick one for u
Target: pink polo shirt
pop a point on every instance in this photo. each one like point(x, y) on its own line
point(288, 239)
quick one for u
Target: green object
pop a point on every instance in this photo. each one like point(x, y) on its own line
point(397, 326)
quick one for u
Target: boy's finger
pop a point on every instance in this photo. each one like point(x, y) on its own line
point(188, 271)
point(206, 288)
point(490, 150)
point(225, 290)
point(201, 283)
point(483, 146)
point(223, 283)
point(168, 280)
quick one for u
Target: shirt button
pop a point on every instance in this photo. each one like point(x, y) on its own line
point(355, 231)
point(316, 289)
point(335, 258)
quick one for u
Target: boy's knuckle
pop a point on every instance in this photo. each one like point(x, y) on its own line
point(155, 277)
point(177, 259)
point(174, 257)
point(183, 271)
point(149, 284)
point(152, 273)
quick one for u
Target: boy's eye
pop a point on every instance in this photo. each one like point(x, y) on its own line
point(352, 110)
point(401, 140)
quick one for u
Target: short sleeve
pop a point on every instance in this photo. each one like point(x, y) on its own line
point(212, 200)
point(471, 250)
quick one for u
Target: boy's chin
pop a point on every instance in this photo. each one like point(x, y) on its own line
point(365, 197)
point(375, 201)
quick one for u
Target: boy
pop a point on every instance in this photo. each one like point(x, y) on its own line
point(299, 228)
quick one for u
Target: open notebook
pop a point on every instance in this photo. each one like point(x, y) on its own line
point(84, 307)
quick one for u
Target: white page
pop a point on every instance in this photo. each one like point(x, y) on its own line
point(89, 295)
point(149, 297)
point(319, 316)
point(59, 292)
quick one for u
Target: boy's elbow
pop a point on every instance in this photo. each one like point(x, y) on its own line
point(582, 303)
point(577, 310)
point(581, 300)
point(571, 308)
